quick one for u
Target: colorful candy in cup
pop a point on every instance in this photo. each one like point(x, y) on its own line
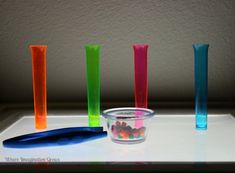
point(123, 131)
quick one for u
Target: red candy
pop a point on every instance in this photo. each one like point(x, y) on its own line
point(123, 124)
point(135, 133)
point(118, 123)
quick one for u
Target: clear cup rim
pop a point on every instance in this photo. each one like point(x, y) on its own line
point(107, 113)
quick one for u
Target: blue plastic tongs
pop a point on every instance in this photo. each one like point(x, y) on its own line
point(57, 137)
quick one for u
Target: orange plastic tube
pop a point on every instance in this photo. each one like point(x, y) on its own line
point(39, 85)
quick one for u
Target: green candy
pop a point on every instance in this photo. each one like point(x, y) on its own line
point(120, 137)
point(131, 136)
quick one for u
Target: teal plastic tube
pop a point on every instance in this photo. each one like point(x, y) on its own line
point(93, 84)
point(201, 84)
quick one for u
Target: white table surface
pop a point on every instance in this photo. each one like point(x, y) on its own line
point(171, 138)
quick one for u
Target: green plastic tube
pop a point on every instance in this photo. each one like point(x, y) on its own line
point(93, 84)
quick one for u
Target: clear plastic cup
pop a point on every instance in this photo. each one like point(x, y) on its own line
point(122, 126)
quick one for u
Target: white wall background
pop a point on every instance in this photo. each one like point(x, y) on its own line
point(170, 27)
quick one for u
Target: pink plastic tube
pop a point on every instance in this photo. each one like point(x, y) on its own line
point(141, 77)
